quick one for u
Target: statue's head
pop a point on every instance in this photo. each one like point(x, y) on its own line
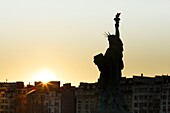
point(112, 39)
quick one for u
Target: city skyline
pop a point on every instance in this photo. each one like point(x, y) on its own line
point(61, 38)
point(141, 94)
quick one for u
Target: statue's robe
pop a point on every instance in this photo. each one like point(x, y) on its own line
point(110, 65)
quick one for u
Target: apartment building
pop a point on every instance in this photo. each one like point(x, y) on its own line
point(151, 94)
point(126, 90)
point(44, 98)
point(68, 100)
point(141, 94)
point(165, 95)
point(11, 100)
point(86, 98)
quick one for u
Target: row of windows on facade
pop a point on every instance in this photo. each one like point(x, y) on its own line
point(6, 101)
point(6, 111)
point(86, 93)
point(6, 107)
point(47, 94)
point(91, 110)
point(146, 97)
point(86, 106)
point(143, 104)
point(151, 107)
point(88, 87)
point(47, 102)
point(10, 95)
point(147, 90)
point(46, 111)
point(151, 111)
point(86, 101)
point(145, 111)
point(32, 98)
point(143, 97)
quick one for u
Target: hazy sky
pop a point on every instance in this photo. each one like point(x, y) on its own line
point(62, 36)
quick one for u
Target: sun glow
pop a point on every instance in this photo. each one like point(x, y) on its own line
point(45, 76)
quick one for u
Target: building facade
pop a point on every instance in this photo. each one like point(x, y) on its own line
point(86, 98)
point(44, 98)
point(11, 99)
point(151, 94)
point(68, 100)
point(141, 95)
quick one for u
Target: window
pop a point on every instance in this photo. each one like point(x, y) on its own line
point(92, 105)
point(150, 96)
point(79, 107)
point(87, 101)
point(135, 111)
point(164, 103)
point(49, 110)
point(136, 97)
point(11, 107)
point(3, 101)
point(3, 95)
point(141, 97)
point(86, 106)
point(56, 110)
point(164, 97)
point(6, 107)
point(50, 103)
point(164, 110)
point(140, 105)
point(56, 103)
point(135, 104)
point(46, 104)
point(136, 90)
point(150, 104)
point(151, 89)
point(142, 111)
point(145, 104)
point(2, 106)
point(145, 97)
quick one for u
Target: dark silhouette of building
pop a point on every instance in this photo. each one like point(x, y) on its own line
point(44, 98)
point(68, 100)
point(142, 94)
point(87, 98)
point(11, 97)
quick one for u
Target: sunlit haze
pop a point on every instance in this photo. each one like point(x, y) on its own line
point(45, 76)
point(62, 36)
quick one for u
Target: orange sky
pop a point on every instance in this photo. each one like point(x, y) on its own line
point(63, 36)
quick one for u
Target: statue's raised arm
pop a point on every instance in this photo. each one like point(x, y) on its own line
point(117, 19)
point(110, 66)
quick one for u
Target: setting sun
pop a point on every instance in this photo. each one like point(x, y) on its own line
point(45, 76)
